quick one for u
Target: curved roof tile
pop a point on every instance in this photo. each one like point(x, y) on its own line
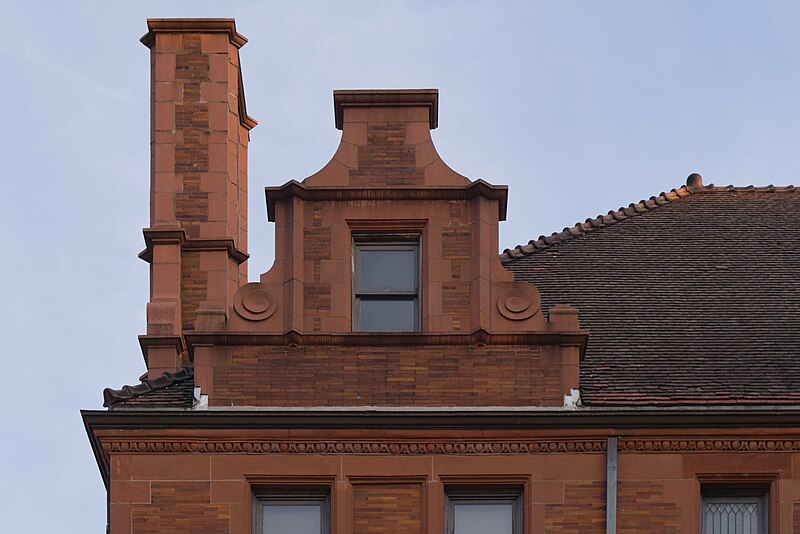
point(168, 390)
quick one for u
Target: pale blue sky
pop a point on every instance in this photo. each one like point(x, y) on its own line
point(580, 107)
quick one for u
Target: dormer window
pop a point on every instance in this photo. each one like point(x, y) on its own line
point(386, 283)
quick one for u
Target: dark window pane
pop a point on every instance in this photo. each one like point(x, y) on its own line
point(387, 270)
point(484, 518)
point(387, 315)
point(292, 519)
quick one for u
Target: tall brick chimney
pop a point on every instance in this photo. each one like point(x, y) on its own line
point(199, 132)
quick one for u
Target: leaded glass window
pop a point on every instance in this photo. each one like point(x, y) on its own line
point(734, 511)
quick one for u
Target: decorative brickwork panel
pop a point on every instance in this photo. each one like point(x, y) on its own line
point(194, 287)
point(191, 118)
point(191, 205)
point(395, 376)
point(456, 243)
point(180, 507)
point(641, 508)
point(387, 508)
point(456, 298)
point(583, 510)
point(386, 159)
point(455, 213)
point(317, 297)
point(317, 243)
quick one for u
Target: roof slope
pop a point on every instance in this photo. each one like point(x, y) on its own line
point(692, 297)
point(170, 390)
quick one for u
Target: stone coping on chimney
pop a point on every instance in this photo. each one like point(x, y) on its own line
point(206, 26)
point(192, 25)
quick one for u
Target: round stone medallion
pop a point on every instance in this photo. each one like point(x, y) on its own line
point(254, 303)
point(518, 304)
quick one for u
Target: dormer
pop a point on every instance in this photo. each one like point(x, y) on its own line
point(386, 237)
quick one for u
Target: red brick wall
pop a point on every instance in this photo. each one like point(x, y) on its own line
point(583, 509)
point(202, 491)
point(178, 507)
point(191, 119)
point(387, 158)
point(387, 508)
point(641, 507)
point(194, 287)
point(400, 376)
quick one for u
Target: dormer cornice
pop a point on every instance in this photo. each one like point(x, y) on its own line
point(478, 188)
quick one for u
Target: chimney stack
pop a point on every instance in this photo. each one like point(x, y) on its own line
point(199, 132)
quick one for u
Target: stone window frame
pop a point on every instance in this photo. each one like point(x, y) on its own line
point(298, 490)
point(738, 484)
point(386, 240)
point(483, 493)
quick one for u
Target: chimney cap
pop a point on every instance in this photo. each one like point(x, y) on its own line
point(365, 98)
point(203, 25)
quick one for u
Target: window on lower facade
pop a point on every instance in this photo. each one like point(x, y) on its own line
point(728, 510)
point(386, 283)
point(479, 511)
point(292, 513)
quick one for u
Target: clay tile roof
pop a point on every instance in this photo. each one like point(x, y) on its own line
point(170, 390)
point(690, 297)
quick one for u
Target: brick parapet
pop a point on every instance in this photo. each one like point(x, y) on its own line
point(381, 376)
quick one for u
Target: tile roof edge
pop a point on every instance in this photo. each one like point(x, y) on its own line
point(167, 379)
point(625, 213)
